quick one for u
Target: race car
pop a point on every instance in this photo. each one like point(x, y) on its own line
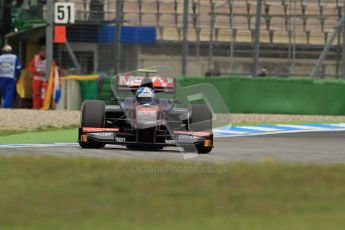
point(148, 117)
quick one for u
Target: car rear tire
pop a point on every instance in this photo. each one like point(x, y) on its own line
point(93, 116)
point(201, 121)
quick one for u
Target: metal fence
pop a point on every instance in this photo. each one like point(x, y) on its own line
point(209, 37)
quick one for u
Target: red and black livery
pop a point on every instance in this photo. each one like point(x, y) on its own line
point(161, 124)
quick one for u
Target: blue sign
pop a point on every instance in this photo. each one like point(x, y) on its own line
point(129, 34)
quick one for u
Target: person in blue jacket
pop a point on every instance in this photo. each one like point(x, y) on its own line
point(10, 71)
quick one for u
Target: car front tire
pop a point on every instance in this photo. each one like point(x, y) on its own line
point(93, 116)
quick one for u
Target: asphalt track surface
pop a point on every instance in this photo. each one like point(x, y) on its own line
point(308, 147)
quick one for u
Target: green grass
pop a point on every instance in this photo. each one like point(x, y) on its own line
point(61, 193)
point(8, 132)
point(39, 136)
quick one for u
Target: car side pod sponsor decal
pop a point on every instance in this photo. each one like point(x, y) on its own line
point(102, 135)
point(92, 130)
point(182, 138)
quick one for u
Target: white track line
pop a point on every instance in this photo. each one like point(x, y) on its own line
point(281, 132)
point(304, 127)
point(259, 128)
point(228, 131)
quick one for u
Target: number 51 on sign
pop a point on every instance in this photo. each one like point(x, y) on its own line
point(64, 13)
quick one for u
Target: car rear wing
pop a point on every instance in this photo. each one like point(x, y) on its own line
point(132, 83)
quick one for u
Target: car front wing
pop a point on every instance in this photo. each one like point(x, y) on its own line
point(115, 137)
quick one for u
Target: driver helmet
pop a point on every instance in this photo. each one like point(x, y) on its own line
point(145, 95)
